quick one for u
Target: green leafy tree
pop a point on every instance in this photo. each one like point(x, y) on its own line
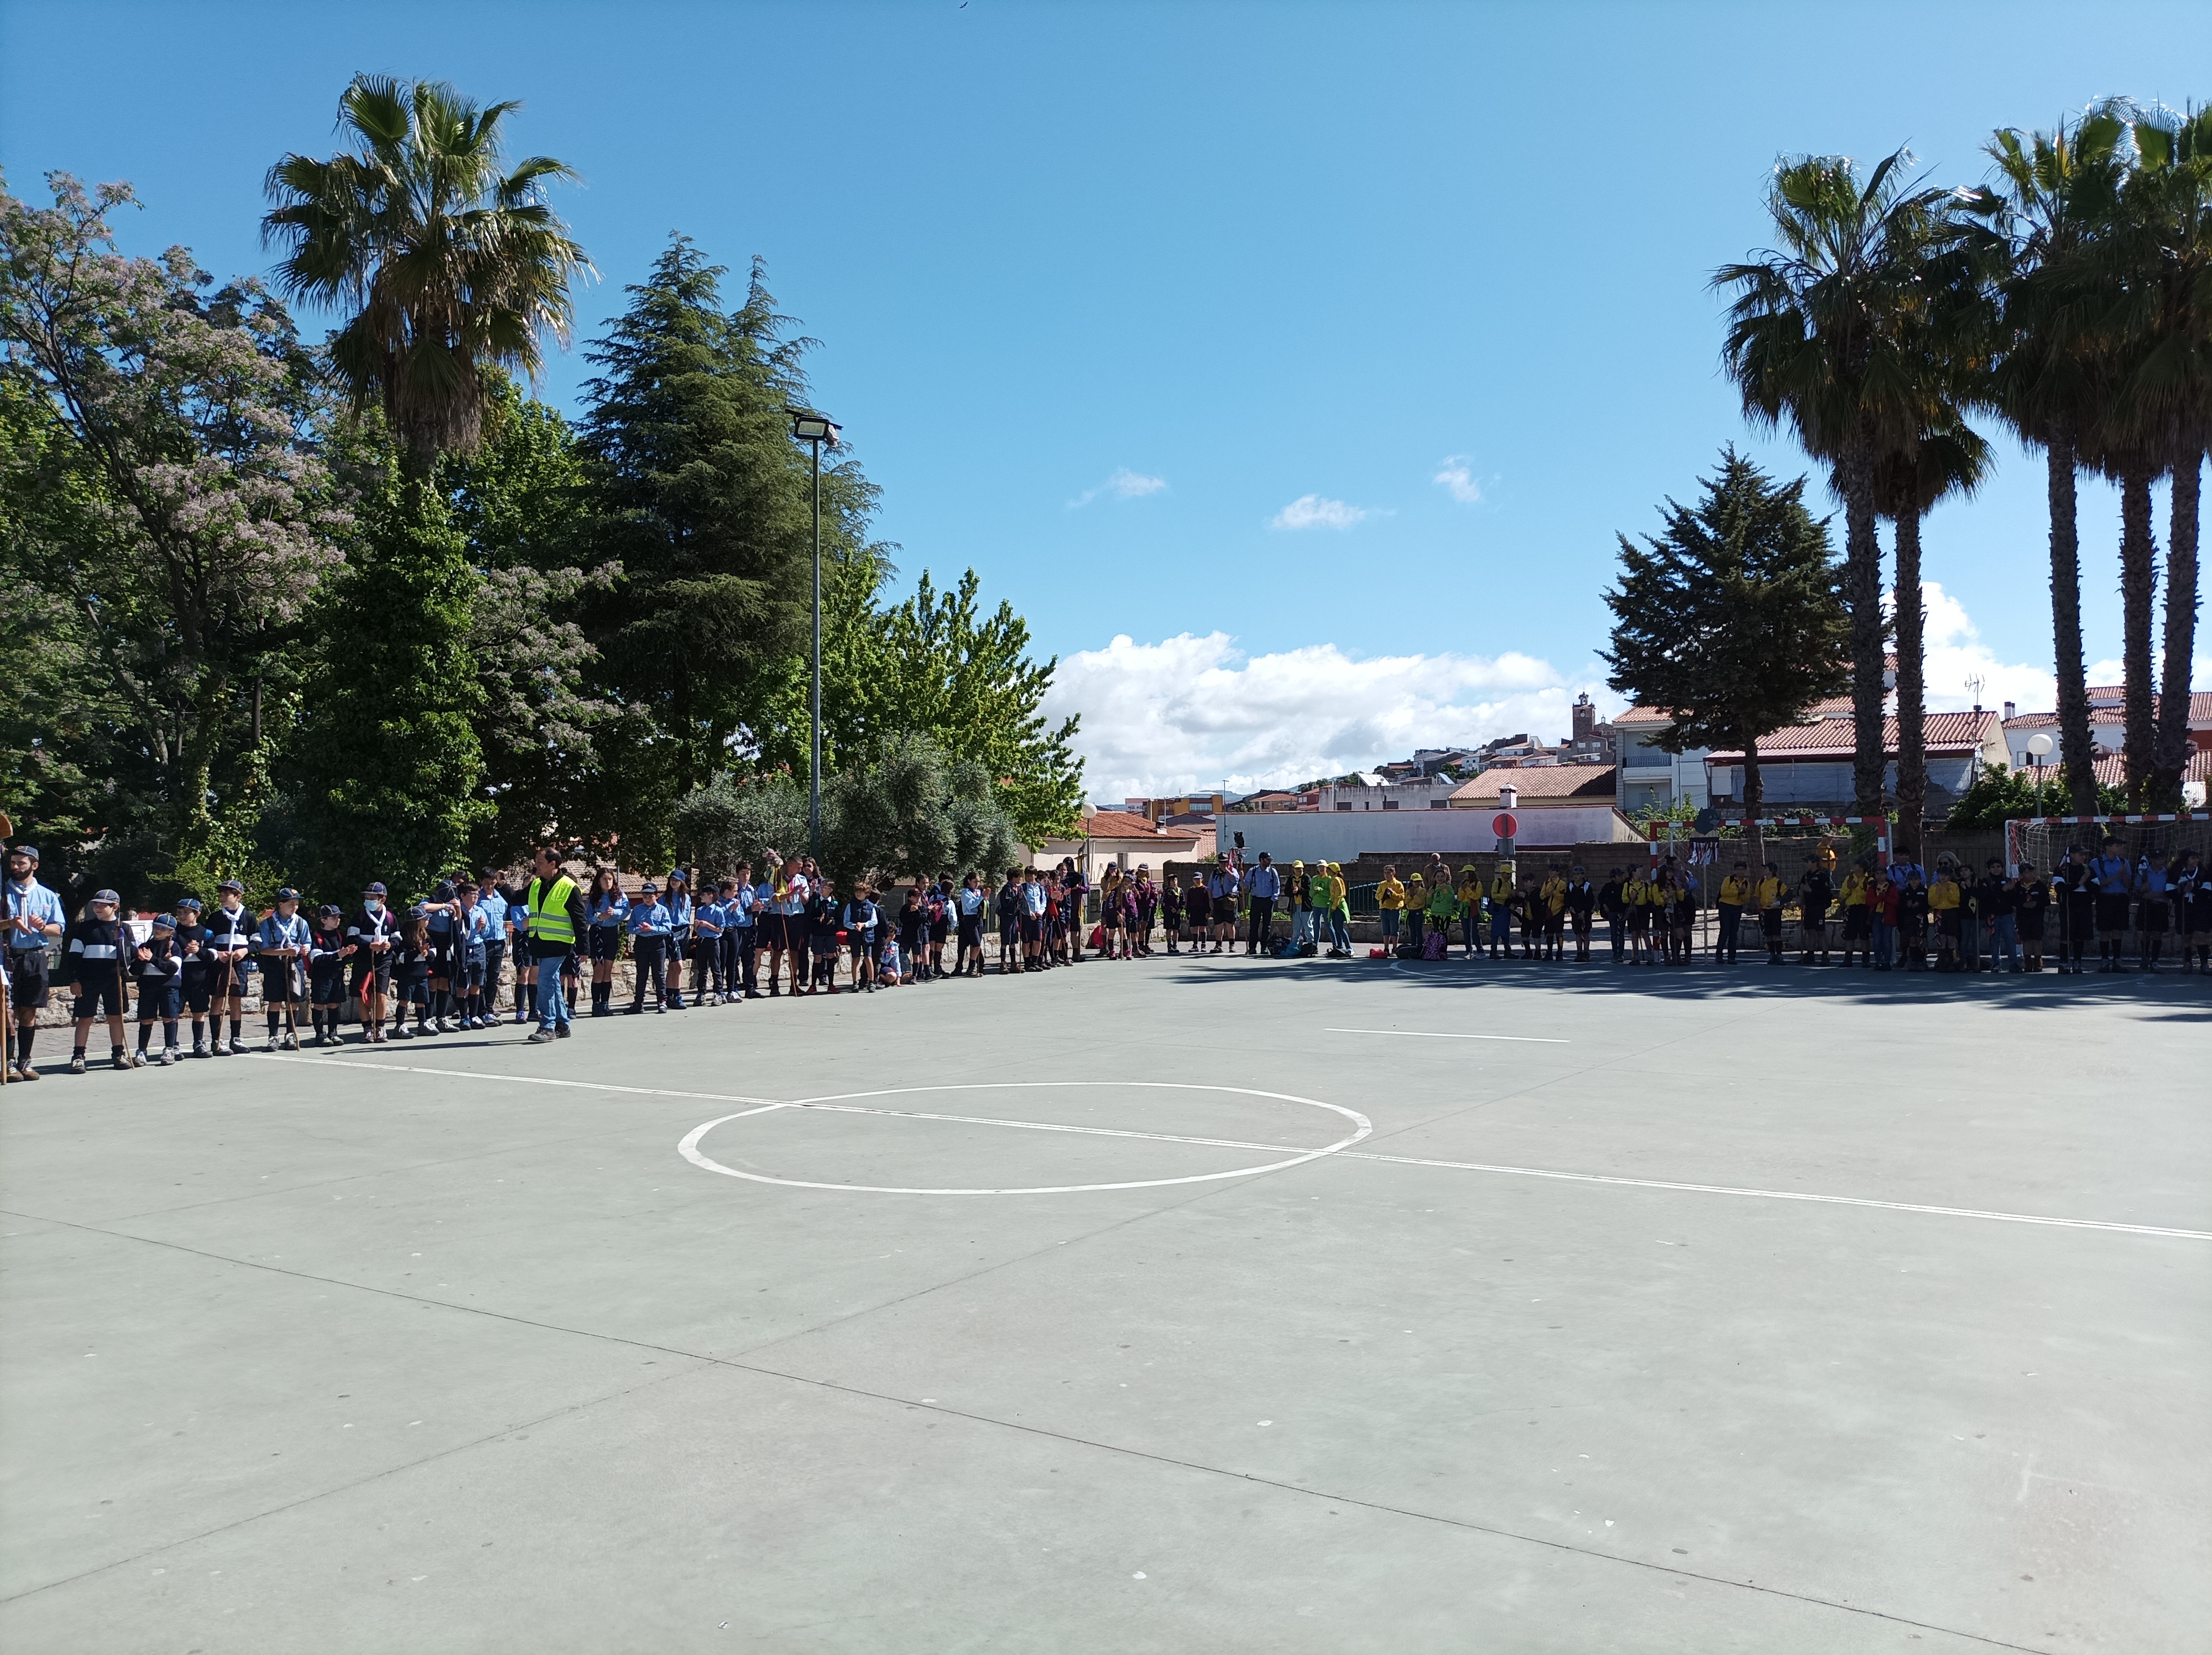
point(445, 262)
point(938, 665)
point(165, 491)
point(914, 812)
point(1732, 617)
point(735, 819)
point(515, 499)
point(2000, 795)
point(1821, 334)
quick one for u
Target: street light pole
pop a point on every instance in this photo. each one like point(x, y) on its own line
point(815, 429)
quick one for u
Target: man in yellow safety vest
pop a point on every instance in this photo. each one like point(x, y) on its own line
point(554, 918)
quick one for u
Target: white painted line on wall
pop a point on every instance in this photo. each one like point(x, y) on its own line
point(1425, 1034)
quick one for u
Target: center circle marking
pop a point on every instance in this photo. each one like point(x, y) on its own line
point(690, 1151)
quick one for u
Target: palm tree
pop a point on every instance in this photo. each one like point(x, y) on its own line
point(2056, 194)
point(1949, 457)
point(1818, 334)
point(2170, 195)
point(446, 263)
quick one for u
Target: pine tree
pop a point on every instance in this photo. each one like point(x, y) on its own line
point(1732, 618)
point(700, 493)
point(386, 766)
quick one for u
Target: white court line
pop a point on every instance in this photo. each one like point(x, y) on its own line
point(1424, 1034)
point(519, 1079)
point(1343, 1155)
point(690, 1151)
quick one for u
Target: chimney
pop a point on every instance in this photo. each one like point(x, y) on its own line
point(1585, 717)
point(2011, 712)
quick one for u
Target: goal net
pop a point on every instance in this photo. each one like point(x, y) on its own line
point(2041, 842)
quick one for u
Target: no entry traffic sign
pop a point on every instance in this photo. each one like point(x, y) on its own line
point(1503, 824)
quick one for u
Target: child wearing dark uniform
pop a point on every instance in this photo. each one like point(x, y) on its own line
point(410, 974)
point(2153, 907)
point(2030, 901)
point(92, 952)
point(1912, 922)
point(327, 949)
point(192, 987)
point(2076, 898)
point(159, 996)
point(2192, 907)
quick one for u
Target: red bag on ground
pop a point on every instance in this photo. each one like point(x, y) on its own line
point(1098, 937)
point(1378, 953)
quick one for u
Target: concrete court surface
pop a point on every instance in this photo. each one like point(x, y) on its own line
point(416, 1350)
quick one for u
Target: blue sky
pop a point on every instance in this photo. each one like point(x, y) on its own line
point(1106, 292)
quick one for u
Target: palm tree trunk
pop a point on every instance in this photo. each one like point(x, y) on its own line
point(1912, 669)
point(2073, 749)
point(2138, 593)
point(2180, 632)
point(1863, 593)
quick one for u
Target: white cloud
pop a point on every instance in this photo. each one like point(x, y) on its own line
point(1955, 654)
point(1124, 484)
point(1189, 711)
point(1455, 477)
point(1312, 511)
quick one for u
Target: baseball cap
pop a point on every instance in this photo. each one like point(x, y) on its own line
point(648, 889)
point(192, 903)
point(106, 895)
point(328, 911)
point(419, 911)
point(287, 894)
point(232, 885)
point(32, 851)
point(444, 891)
point(374, 889)
point(163, 922)
point(676, 876)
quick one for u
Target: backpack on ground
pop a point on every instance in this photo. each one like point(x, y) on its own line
point(1432, 946)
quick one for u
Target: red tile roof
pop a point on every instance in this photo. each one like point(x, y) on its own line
point(1947, 733)
point(1580, 783)
point(1126, 824)
point(2112, 772)
point(2200, 709)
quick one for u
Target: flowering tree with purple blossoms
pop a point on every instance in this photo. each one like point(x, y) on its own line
point(174, 418)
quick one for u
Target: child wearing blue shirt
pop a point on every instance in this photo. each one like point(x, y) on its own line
point(649, 929)
point(708, 921)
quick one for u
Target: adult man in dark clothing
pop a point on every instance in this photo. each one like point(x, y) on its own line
point(1816, 893)
point(1614, 904)
point(1263, 887)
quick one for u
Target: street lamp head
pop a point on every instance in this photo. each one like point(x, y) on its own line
point(809, 426)
point(2039, 744)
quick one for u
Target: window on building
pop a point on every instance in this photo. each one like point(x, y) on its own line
point(1389, 804)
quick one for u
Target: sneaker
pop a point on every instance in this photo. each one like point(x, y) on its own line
point(276, 1044)
point(400, 1033)
point(169, 1055)
point(216, 1048)
point(539, 1038)
point(76, 1064)
point(122, 1060)
point(291, 1043)
point(199, 1049)
point(491, 1021)
point(237, 1046)
point(561, 1030)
